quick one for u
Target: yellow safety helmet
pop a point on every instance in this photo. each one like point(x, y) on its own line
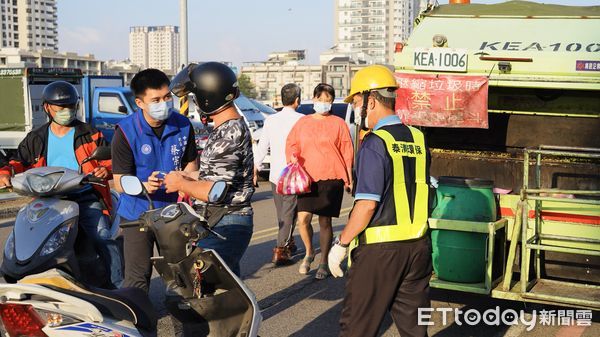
point(371, 78)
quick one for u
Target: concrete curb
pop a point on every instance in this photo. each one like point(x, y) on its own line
point(10, 212)
point(9, 209)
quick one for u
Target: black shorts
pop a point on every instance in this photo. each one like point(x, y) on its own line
point(325, 198)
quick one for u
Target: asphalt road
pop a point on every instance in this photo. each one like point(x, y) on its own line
point(300, 306)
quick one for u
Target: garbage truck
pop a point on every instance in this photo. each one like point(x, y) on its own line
point(508, 96)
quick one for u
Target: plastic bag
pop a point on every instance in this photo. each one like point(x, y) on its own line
point(293, 180)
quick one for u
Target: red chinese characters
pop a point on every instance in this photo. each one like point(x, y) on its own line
point(454, 101)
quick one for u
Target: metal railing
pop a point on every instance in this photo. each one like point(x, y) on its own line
point(560, 243)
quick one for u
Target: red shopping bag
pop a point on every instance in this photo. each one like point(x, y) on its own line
point(293, 180)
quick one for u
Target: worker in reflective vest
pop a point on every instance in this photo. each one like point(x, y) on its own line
point(390, 251)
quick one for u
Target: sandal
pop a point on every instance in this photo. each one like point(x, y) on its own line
point(322, 272)
point(305, 265)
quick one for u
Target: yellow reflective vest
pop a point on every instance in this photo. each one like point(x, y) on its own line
point(405, 228)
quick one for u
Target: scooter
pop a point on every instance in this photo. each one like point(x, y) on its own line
point(46, 233)
point(201, 291)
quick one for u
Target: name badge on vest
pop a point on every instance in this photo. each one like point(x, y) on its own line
point(146, 149)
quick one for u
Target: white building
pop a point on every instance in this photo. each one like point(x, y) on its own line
point(269, 77)
point(339, 72)
point(372, 27)
point(155, 47)
point(17, 58)
point(125, 68)
point(28, 24)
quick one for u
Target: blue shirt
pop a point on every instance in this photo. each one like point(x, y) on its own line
point(373, 167)
point(61, 150)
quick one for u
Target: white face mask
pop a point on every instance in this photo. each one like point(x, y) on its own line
point(322, 107)
point(358, 114)
point(160, 111)
point(367, 122)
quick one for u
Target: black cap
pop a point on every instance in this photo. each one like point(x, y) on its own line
point(213, 84)
point(60, 93)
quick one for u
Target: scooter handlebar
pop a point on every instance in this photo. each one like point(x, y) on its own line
point(129, 224)
point(91, 179)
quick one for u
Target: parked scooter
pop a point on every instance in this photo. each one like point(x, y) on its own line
point(46, 233)
point(201, 291)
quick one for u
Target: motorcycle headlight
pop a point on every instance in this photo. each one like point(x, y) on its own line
point(9, 247)
point(43, 184)
point(57, 239)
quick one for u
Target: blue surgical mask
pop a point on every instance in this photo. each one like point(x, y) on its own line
point(160, 111)
point(322, 107)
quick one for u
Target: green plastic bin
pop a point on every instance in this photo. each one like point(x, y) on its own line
point(459, 256)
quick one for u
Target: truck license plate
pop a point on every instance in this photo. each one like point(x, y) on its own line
point(440, 59)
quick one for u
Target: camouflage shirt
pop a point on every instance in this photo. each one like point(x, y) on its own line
point(228, 156)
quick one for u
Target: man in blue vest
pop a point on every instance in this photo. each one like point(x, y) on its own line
point(152, 141)
point(390, 251)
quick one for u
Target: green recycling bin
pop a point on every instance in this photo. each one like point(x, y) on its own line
point(460, 256)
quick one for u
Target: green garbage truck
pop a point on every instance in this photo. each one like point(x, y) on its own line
point(508, 96)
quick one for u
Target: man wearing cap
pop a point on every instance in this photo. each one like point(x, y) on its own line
point(390, 251)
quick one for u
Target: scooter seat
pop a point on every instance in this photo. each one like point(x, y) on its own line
point(130, 304)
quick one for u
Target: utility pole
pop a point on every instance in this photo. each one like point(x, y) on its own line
point(183, 33)
point(184, 103)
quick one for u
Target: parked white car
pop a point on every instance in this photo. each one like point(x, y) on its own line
point(253, 118)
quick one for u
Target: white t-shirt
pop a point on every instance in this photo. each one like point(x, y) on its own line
point(274, 136)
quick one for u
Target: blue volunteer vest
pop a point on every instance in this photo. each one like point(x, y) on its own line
point(153, 154)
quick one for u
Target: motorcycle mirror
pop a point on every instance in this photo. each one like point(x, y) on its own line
point(131, 185)
point(100, 153)
point(217, 191)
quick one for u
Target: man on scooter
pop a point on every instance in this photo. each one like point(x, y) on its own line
point(65, 142)
point(153, 140)
point(227, 156)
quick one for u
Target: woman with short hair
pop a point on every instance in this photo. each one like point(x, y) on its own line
point(322, 145)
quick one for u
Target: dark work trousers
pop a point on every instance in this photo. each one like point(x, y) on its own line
point(138, 248)
point(385, 277)
point(286, 215)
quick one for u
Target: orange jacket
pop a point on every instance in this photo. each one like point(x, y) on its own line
point(33, 150)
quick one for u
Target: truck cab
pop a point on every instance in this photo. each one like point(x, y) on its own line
point(106, 101)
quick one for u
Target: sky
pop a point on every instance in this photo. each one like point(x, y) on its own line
point(218, 30)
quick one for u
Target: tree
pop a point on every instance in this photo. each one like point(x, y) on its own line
point(247, 88)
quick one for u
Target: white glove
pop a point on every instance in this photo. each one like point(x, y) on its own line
point(337, 254)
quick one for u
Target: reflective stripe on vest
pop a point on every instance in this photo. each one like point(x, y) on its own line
point(405, 227)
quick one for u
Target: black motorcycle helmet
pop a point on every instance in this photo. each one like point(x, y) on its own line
point(213, 84)
point(60, 93)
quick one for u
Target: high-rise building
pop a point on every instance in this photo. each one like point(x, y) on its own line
point(370, 28)
point(155, 47)
point(28, 24)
